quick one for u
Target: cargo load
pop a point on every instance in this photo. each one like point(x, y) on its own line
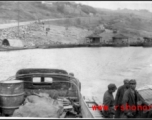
point(40, 105)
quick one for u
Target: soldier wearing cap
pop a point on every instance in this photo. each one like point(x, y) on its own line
point(108, 101)
point(119, 95)
point(131, 98)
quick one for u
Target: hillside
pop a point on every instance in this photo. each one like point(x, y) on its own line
point(133, 23)
point(34, 35)
point(38, 10)
point(114, 19)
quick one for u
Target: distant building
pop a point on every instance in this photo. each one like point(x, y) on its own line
point(120, 39)
point(107, 36)
point(94, 38)
point(147, 41)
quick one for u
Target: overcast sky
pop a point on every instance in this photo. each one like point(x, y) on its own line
point(119, 4)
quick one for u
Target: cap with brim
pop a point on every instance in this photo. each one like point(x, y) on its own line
point(126, 80)
point(112, 86)
point(132, 82)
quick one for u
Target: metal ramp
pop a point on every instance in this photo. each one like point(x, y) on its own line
point(92, 102)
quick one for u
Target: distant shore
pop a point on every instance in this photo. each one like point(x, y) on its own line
point(66, 46)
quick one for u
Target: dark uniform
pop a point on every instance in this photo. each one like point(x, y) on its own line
point(118, 100)
point(119, 96)
point(108, 101)
point(131, 98)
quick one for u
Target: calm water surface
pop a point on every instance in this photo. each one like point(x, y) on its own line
point(94, 67)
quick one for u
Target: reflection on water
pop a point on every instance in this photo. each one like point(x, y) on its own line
point(94, 67)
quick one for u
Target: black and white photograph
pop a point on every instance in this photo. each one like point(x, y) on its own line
point(76, 59)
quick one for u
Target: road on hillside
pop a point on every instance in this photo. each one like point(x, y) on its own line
point(8, 25)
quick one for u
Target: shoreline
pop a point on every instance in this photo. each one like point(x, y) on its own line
point(67, 46)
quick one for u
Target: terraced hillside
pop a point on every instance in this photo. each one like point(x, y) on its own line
point(35, 34)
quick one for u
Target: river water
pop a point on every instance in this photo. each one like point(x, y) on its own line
point(94, 67)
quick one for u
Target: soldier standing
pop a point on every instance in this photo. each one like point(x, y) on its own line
point(119, 96)
point(108, 101)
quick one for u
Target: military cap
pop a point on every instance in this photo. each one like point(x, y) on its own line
point(112, 86)
point(132, 81)
point(126, 80)
point(71, 74)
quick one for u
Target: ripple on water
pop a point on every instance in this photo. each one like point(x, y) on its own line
point(94, 67)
